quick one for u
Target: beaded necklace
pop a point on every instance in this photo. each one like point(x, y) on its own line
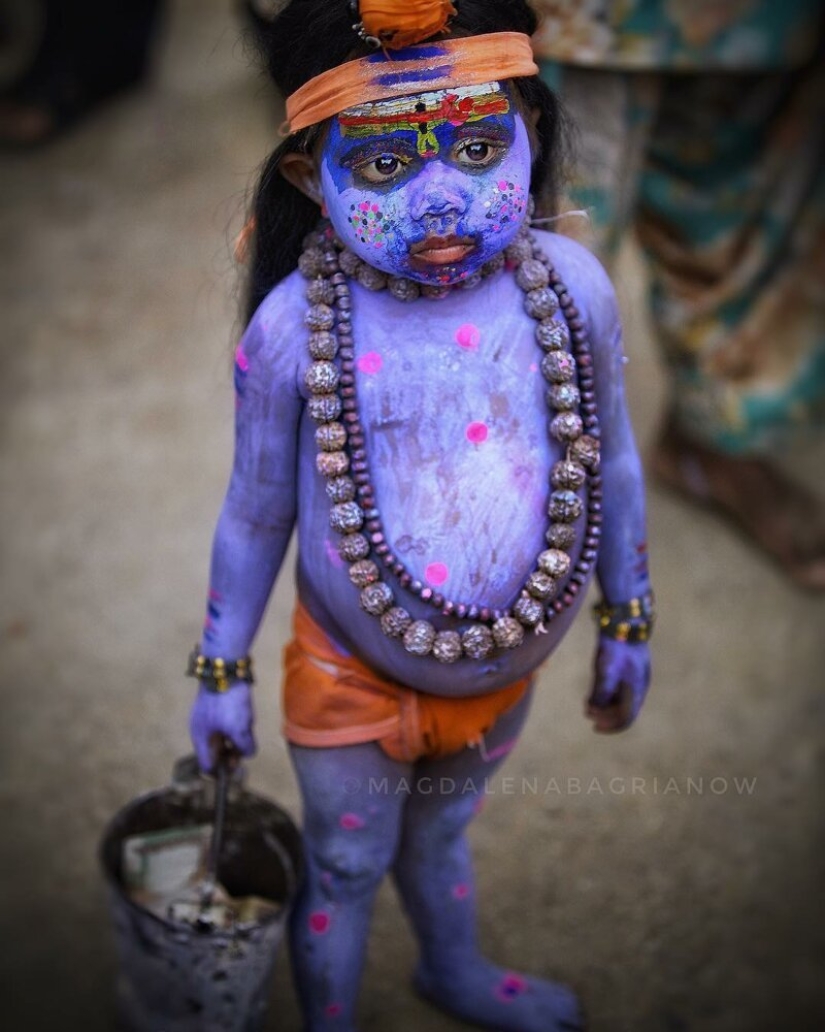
point(342, 458)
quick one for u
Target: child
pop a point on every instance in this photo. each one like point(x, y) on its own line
point(422, 388)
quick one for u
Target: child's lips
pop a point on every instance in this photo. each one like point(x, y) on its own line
point(438, 250)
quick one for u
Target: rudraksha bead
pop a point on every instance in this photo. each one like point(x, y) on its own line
point(376, 598)
point(447, 646)
point(477, 641)
point(419, 637)
point(508, 633)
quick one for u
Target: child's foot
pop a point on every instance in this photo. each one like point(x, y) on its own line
point(494, 998)
point(782, 518)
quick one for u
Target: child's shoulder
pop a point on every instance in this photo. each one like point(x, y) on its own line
point(277, 330)
point(585, 278)
point(576, 265)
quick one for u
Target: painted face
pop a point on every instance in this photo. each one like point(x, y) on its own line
point(429, 186)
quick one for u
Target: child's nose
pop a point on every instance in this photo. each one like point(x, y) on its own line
point(438, 190)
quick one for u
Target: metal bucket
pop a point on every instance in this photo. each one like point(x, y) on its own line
point(174, 977)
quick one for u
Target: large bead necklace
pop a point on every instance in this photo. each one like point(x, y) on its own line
point(566, 365)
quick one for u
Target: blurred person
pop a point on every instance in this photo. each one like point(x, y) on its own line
point(702, 126)
point(59, 59)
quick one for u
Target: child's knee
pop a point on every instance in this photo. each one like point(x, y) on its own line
point(349, 866)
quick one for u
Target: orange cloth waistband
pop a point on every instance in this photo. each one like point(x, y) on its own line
point(332, 700)
point(438, 65)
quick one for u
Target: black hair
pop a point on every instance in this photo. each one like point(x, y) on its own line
point(311, 36)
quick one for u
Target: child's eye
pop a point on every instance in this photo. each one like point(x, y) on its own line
point(478, 153)
point(381, 169)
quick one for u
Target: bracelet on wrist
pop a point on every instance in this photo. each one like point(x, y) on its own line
point(218, 674)
point(630, 621)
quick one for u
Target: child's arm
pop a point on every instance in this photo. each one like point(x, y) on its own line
point(622, 669)
point(252, 533)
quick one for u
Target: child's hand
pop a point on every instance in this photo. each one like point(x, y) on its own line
point(620, 685)
point(219, 715)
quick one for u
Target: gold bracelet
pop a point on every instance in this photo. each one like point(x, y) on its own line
point(630, 621)
point(218, 674)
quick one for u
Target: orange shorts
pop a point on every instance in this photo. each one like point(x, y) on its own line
point(332, 700)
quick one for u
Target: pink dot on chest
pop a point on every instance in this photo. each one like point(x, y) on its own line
point(477, 433)
point(351, 822)
point(370, 363)
point(436, 574)
point(468, 336)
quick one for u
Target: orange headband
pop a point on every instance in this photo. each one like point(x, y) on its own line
point(469, 61)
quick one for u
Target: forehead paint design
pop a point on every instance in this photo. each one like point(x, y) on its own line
point(423, 114)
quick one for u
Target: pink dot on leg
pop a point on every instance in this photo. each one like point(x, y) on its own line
point(510, 987)
point(477, 433)
point(468, 336)
point(461, 891)
point(319, 922)
point(333, 1010)
point(370, 363)
point(351, 821)
point(436, 574)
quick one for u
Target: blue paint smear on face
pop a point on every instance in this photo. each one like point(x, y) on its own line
point(434, 193)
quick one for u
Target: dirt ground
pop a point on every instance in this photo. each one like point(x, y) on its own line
point(673, 874)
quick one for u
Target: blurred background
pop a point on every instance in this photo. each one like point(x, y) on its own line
point(672, 874)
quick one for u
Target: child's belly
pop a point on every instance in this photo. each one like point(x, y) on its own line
point(456, 441)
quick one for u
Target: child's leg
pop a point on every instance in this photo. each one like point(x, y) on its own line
point(434, 876)
point(350, 835)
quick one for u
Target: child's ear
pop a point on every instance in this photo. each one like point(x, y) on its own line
point(301, 171)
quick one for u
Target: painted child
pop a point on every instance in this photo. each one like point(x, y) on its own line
point(431, 392)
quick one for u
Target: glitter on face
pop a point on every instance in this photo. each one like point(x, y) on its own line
point(509, 204)
point(369, 223)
